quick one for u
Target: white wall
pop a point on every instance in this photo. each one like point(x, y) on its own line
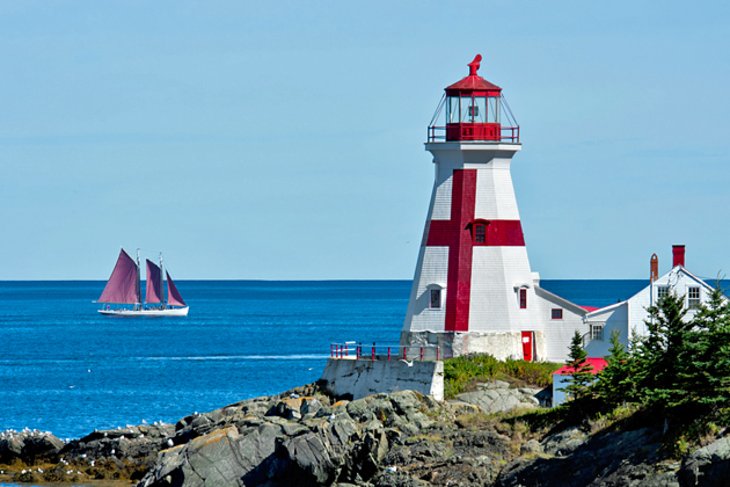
point(433, 270)
point(613, 317)
point(362, 378)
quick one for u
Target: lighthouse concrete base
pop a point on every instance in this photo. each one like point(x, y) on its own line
point(501, 345)
point(359, 378)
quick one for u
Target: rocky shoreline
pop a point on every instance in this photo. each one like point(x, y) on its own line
point(305, 438)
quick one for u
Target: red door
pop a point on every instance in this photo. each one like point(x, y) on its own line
point(527, 345)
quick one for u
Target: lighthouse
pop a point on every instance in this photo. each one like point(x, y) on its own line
point(474, 290)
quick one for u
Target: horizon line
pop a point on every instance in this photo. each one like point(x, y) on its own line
point(320, 280)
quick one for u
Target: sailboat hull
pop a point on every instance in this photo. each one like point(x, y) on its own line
point(146, 312)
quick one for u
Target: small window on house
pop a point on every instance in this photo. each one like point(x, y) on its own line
point(480, 233)
point(523, 298)
point(435, 299)
point(693, 297)
point(597, 331)
point(662, 292)
point(556, 314)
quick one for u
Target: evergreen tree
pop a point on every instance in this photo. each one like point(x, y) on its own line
point(659, 366)
point(615, 384)
point(578, 387)
point(706, 374)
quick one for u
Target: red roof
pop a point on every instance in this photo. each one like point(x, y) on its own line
point(474, 82)
point(597, 363)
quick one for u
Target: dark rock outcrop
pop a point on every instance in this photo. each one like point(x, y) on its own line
point(627, 458)
point(403, 439)
point(29, 447)
point(708, 466)
point(498, 396)
point(289, 440)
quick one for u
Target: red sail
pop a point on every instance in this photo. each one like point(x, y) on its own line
point(122, 285)
point(173, 295)
point(154, 283)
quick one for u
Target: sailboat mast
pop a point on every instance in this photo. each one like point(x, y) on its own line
point(163, 301)
point(139, 284)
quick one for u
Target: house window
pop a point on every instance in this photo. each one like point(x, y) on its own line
point(662, 292)
point(693, 297)
point(597, 331)
point(523, 298)
point(435, 299)
point(480, 233)
point(556, 314)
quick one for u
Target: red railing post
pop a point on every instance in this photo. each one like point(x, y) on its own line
point(372, 353)
point(388, 354)
point(421, 353)
point(405, 353)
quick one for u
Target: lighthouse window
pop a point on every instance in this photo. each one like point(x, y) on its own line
point(452, 109)
point(435, 302)
point(556, 314)
point(523, 298)
point(480, 233)
point(693, 297)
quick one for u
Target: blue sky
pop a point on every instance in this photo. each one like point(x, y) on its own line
point(284, 140)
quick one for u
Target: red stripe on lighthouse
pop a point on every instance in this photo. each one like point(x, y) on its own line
point(456, 234)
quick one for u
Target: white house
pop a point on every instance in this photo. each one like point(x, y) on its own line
point(629, 317)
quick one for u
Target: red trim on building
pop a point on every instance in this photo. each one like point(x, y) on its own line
point(456, 234)
point(473, 131)
point(597, 363)
point(501, 233)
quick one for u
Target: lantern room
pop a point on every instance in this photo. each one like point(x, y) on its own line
point(474, 110)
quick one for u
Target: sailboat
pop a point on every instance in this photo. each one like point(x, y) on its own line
point(123, 287)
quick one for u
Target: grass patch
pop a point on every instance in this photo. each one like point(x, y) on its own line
point(461, 373)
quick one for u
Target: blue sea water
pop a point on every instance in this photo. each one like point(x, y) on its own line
point(67, 369)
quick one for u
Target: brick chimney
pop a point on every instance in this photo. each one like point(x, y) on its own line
point(677, 255)
point(653, 268)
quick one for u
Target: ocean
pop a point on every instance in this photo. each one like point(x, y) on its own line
point(67, 369)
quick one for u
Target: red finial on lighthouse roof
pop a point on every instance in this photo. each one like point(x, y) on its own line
point(474, 84)
point(475, 64)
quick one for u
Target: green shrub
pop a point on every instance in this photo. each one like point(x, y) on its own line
point(461, 373)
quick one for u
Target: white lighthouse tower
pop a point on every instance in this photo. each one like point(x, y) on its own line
point(473, 289)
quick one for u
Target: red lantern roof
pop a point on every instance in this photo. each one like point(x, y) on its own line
point(474, 84)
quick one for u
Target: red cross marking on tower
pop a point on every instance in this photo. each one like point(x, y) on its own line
point(456, 234)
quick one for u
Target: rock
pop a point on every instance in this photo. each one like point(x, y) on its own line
point(29, 447)
point(222, 457)
point(616, 458)
point(497, 396)
point(289, 408)
point(564, 442)
point(310, 406)
point(11, 446)
point(313, 460)
point(128, 452)
point(707, 466)
point(531, 447)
